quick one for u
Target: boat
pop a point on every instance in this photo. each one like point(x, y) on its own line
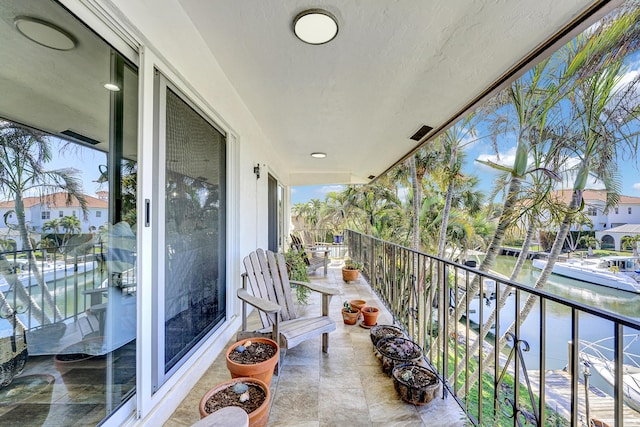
point(50, 271)
point(599, 356)
point(617, 272)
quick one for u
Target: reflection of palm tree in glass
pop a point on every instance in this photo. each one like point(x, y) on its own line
point(22, 159)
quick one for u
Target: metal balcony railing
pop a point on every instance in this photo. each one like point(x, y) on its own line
point(68, 272)
point(542, 354)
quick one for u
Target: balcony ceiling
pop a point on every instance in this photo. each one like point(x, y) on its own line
point(394, 66)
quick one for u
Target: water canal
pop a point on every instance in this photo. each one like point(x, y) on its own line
point(558, 317)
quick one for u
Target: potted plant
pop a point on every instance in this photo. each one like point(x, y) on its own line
point(397, 351)
point(350, 270)
point(349, 314)
point(384, 331)
point(250, 394)
point(358, 304)
point(415, 384)
point(253, 358)
point(297, 270)
point(370, 315)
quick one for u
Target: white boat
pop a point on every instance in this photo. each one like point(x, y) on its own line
point(619, 272)
point(50, 271)
point(599, 356)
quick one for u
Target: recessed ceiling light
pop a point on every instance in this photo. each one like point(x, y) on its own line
point(319, 155)
point(112, 87)
point(44, 33)
point(315, 26)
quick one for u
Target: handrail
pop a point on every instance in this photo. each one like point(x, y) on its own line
point(413, 286)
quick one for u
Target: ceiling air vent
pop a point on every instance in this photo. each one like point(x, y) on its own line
point(79, 137)
point(421, 132)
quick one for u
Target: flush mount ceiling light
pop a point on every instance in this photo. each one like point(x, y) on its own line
point(45, 33)
point(319, 155)
point(112, 87)
point(315, 26)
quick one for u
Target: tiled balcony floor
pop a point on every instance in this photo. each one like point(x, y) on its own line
point(344, 387)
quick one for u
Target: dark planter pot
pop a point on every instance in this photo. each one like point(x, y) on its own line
point(384, 331)
point(398, 351)
point(411, 391)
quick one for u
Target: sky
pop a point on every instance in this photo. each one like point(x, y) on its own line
point(629, 172)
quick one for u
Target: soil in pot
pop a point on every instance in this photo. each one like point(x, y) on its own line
point(384, 331)
point(397, 351)
point(254, 358)
point(415, 384)
point(250, 394)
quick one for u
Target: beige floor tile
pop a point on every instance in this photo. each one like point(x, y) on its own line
point(344, 387)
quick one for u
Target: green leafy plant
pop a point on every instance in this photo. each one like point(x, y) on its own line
point(297, 270)
point(352, 265)
point(348, 308)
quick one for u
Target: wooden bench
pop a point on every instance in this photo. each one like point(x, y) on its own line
point(314, 257)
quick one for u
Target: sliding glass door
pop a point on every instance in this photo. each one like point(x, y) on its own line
point(192, 185)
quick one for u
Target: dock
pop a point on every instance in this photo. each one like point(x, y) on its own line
point(515, 252)
point(558, 397)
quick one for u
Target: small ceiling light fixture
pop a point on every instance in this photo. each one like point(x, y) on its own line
point(44, 33)
point(315, 26)
point(319, 155)
point(112, 87)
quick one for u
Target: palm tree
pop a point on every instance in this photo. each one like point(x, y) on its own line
point(590, 242)
point(631, 242)
point(23, 155)
point(452, 141)
point(598, 131)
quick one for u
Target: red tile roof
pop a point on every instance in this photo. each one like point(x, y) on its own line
point(592, 196)
point(58, 200)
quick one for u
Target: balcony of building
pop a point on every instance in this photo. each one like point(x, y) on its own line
point(549, 360)
point(347, 383)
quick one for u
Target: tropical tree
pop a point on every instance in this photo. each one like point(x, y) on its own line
point(597, 131)
point(590, 242)
point(453, 140)
point(23, 155)
point(631, 242)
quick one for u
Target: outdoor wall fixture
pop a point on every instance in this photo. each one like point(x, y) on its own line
point(256, 170)
point(315, 26)
point(319, 155)
point(44, 33)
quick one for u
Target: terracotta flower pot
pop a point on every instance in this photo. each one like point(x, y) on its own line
point(257, 417)
point(350, 318)
point(262, 370)
point(349, 275)
point(370, 315)
point(358, 304)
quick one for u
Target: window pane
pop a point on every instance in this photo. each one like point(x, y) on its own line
point(60, 271)
point(194, 229)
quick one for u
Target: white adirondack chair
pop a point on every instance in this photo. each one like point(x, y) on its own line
point(266, 286)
